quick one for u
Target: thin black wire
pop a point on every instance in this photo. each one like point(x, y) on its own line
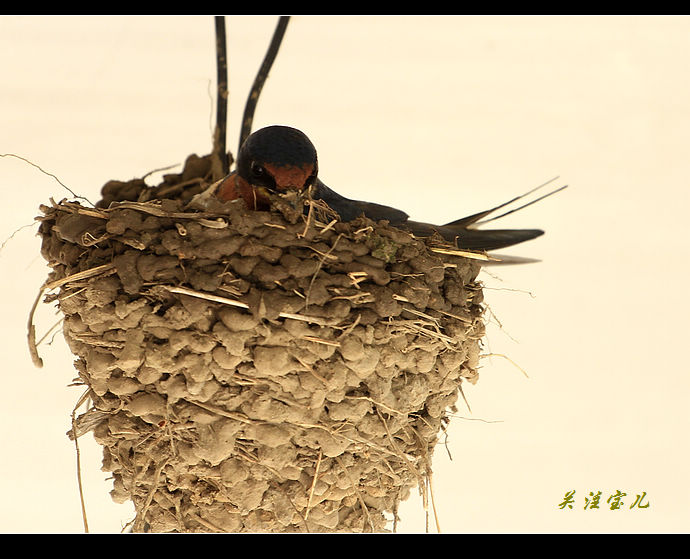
point(261, 76)
point(222, 103)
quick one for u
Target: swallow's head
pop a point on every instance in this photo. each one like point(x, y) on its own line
point(278, 159)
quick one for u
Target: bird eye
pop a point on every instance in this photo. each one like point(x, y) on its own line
point(258, 170)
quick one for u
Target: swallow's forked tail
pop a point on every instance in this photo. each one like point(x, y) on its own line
point(468, 236)
point(475, 219)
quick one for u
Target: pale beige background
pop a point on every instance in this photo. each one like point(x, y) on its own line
point(441, 116)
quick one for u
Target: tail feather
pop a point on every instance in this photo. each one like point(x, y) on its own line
point(474, 239)
point(462, 231)
point(474, 219)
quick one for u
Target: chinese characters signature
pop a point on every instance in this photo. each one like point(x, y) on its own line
point(613, 502)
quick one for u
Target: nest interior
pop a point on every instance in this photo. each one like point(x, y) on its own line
point(258, 371)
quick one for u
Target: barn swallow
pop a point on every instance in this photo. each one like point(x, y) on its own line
point(278, 159)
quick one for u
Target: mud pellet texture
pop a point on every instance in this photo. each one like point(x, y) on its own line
point(258, 371)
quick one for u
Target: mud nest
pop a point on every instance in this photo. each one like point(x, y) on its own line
point(259, 371)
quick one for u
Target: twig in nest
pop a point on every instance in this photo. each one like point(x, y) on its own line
point(464, 253)
point(49, 174)
point(313, 485)
point(428, 487)
point(357, 491)
point(323, 258)
point(328, 226)
point(220, 411)
point(81, 400)
point(85, 274)
point(462, 393)
point(379, 405)
point(433, 504)
point(234, 303)
point(261, 76)
point(321, 341)
point(498, 321)
point(155, 209)
point(75, 208)
point(507, 359)
point(153, 488)
point(50, 330)
point(158, 170)
point(464, 319)
point(409, 464)
point(205, 523)
point(357, 277)
point(419, 326)
point(8, 239)
point(307, 221)
point(31, 337)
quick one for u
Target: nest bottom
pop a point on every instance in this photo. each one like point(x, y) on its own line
point(260, 371)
